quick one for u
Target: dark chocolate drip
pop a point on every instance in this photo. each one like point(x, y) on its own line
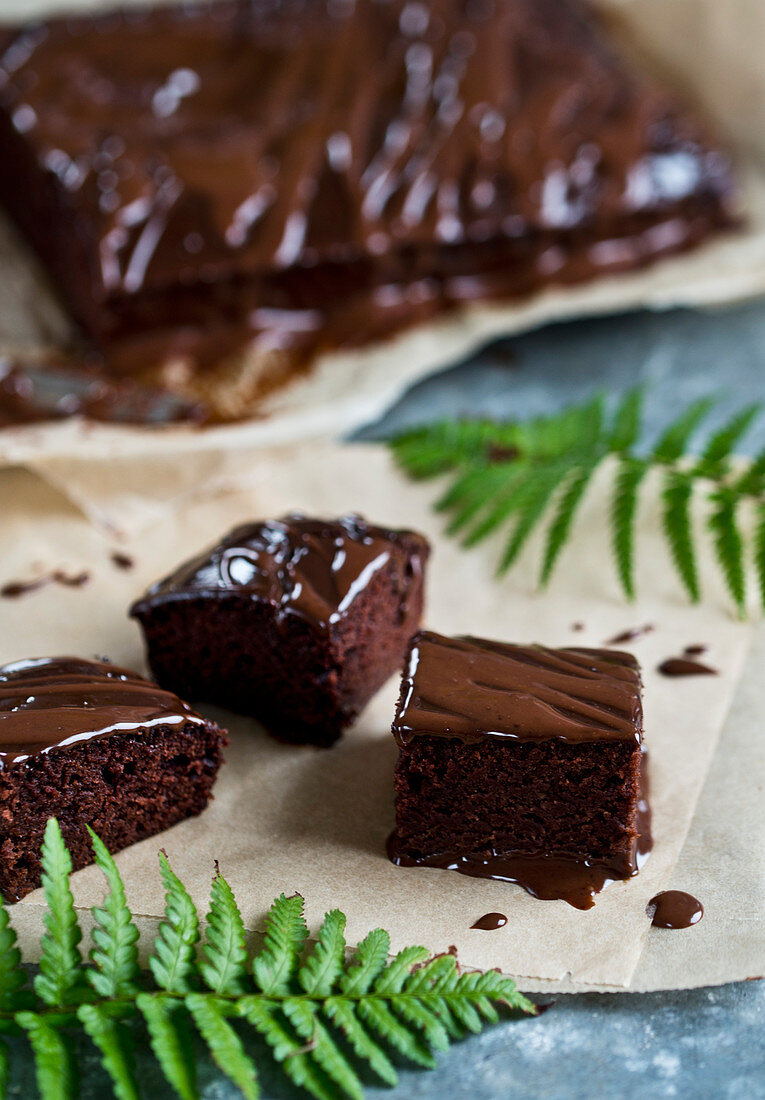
point(122, 561)
point(681, 666)
point(695, 650)
point(471, 688)
point(307, 567)
point(631, 635)
point(548, 876)
point(54, 702)
point(489, 922)
point(675, 909)
point(14, 589)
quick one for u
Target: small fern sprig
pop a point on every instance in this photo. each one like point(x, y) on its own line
point(320, 1013)
point(511, 475)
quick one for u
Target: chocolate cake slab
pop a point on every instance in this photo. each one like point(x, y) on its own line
point(309, 174)
point(296, 622)
point(91, 743)
point(520, 763)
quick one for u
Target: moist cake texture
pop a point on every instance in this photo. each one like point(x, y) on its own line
point(296, 622)
point(93, 744)
point(519, 762)
point(310, 174)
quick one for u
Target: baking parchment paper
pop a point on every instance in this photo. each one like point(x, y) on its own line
point(287, 819)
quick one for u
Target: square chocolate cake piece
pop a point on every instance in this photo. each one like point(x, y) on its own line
point(296, 622)
point(313, 175)
point(520, 763)
point(93, 744)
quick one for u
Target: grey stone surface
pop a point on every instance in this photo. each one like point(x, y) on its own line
point(704, 1043)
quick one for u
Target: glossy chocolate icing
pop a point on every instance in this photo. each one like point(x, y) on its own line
point(471, 688)
point(50, 703)
point(308, 567)
point(320, 173)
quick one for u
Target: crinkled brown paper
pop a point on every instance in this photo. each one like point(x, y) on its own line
point(287, 818)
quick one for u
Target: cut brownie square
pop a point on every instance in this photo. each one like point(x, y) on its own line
point(93, 744)
point(296, 622)
point(520, 763)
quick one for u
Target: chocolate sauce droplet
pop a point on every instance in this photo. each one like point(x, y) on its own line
point(122, 561)
point(631, 634)
point(695, 650)
point(675, 909)
point(577, 627)
point(75, 580)
point(490, 921)
point(680, 666)
point(14, 589)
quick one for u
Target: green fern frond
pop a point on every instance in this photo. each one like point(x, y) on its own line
point(115, 936)
point(719, 448)
point(368, 963)
point(508, 476)
point(173, 962)
point(225, 967)
point(115, 1045)
point(324, 1050)
point(12, 977)
point(673, 444)
point(210, 1015)
point(54, 1061)
point(759, 551)
point(320, 1020)
point(627, 421)
point(291, 1054)
point(324, 965)
point(342, 1013)
point(171, 1041)
point(565, 511)
point(61, 980)
point(729, 545)
point(676, 521)
point(629, 475)
point(286, 932)
point(534, 499)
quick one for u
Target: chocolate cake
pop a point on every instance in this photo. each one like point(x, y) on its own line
point(314, 173)
point(296, 622)
point(520, 763)
point(93, 744)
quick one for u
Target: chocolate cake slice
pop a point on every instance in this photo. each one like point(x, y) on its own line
point(296, 622)
point(310, 174)
point(520, 763)
point(93, 744)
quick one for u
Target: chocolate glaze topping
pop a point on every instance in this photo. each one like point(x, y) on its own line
point(307, 567)
point(681, 666)
point(675, 909)
point(55, 702)
point(219, 140)
point(309, 174)
point(493, 689)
